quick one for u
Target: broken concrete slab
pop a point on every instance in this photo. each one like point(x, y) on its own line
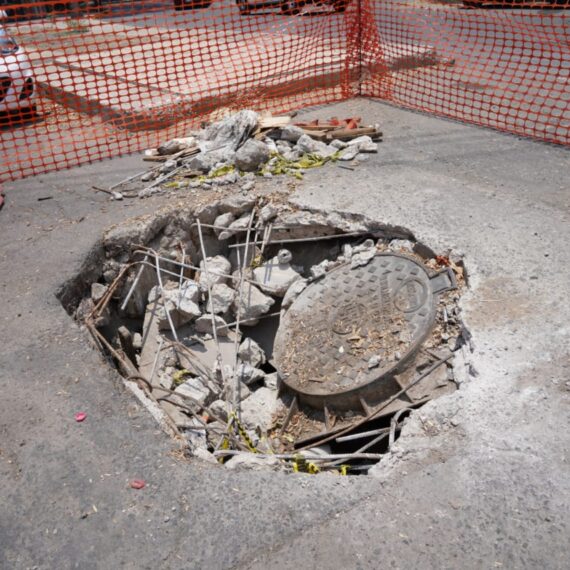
point(276, 276)
point(251, 353)
point(220, 298)
point(214, 270)
point(206, 323)
point(258, 410)
point(251, 304)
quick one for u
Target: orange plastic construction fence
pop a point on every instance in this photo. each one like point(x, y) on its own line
point(81, 81)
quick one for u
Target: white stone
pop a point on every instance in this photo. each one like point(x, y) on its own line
point(401, 244)
point(338, 144)
point(223, 221)
point(218, 269)
point(220, 409)
point(283, 146)
point(374, 361)
point(205, 325)
point(137, 341)
point(291, 133)
point(349, 153)
point(293, 292)
point(252, 155)
point(249, 374)
point(364, 144)
point(194, 388)
point(187, 299)
point(310, 146)
point(276, 276)
point(363, 254)
point(168, 166)
point(235, 227)
point(220, 299)
point(267, 213)
point(251, 353)
point(271, 381)
point(252, 462)
point(248, 185)
point(258, 410)
point(251, 304)
point(98, 290)
point(270, 144)
point(320, 269)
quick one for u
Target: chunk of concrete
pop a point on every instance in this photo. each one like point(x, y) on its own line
point(236, 227)
point(293, 292)
point(220, 298)
point(218, 268)
point(196, 389)
point(364, 144)
point(238, 205)
point(220, 409)
point(251, 304)
point(223, 221)
point(205, 324)
point(252, 155)
point(251, 353)
point(276, 277)
point(291, 133)
point(249, 374)
point(258, 410)
point(98, 291)
point(363, 254)
point(252, 462)
point(308, 145)
point(232, 131)
point(268, 213)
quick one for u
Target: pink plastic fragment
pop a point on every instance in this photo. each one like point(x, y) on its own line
point(137, 484)
point(80, 416)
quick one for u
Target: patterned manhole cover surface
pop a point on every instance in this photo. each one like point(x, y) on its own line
point(326, 340)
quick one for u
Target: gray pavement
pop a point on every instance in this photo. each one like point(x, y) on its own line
point(478, 479)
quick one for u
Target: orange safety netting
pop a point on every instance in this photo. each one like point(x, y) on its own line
point(81, 81)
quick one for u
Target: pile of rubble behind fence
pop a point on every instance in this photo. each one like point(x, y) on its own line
point(243, 146)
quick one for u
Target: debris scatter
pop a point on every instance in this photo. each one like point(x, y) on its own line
point(192, 311)
point(244, 146)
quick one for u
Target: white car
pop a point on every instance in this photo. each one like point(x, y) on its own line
point(17, 88)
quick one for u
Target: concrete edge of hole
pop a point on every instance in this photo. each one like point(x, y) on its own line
point(117, 242)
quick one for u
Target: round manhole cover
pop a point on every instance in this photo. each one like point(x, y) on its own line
point(346, 334)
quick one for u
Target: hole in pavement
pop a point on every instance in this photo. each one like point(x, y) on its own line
point(269, 336)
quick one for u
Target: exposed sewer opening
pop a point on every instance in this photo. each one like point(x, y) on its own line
point(265, 336)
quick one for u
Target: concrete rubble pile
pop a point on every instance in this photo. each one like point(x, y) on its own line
point(242, 147)
point(193, 319)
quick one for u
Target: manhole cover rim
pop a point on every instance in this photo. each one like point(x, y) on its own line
point(314, 393)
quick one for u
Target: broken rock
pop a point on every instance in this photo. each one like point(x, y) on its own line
point(364, 144)
point(252, 155)
point(194, 389)
point(277, 275)
point(258, 410)
point(248, 374)
point(291, 133)
point(235, 227)
point(251, 353)
point(218, 268)
point(220, 299)
point(232, 131)
point(293, 292)
point(252, 462)
point(223, 221)
point(310, 146)
point(251, 304)
point(205, 324)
